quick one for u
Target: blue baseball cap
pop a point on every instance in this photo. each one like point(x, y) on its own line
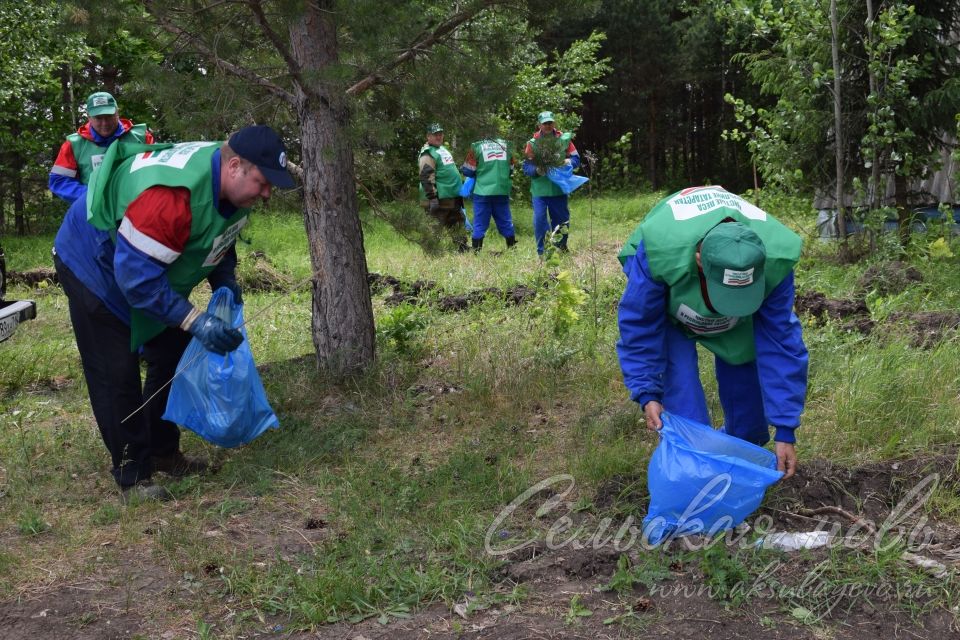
point(262, 146)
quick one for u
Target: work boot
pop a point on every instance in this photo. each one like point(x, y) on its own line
point(477, 244)
point(144, 491)
point(511, 241)
point(178, 465)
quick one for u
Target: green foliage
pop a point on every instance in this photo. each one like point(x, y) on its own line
point(898, 88)
point(616, 170)
point(399, 327)
point(724, 573)
point(565, 300)
point(651, 570)
point(939, 249)
point(106, 515)
point(576, 611)
point(557, 83)
point(550, 152)
point(31, 523)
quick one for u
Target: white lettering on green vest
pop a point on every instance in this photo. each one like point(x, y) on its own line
point(702, 325)
point(176, 156)
point(223, 242)
point(445, 156)
point(691, 203)
point(493, 151)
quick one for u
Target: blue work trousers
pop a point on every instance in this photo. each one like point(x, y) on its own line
point(498, 207)
point(559, 215)
point(738, 386)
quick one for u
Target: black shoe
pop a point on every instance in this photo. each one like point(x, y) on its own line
point(144, 491)
point(511, 241)
point(178, 465)
point(477, 244)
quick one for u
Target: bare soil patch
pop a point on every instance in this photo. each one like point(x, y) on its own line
point(427, 292)
point(887, 278)
point(33, 277)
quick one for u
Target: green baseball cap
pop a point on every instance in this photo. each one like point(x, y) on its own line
point(545, 116)
point(733, 256)
point(434, 127)
point(101, 103)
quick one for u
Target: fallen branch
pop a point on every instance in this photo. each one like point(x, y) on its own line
point(837, 511)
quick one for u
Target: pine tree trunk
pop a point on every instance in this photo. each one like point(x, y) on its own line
point(342, 319)
point(838, 125)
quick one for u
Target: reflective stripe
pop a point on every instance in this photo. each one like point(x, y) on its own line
point(144, 243)
point(63, 171)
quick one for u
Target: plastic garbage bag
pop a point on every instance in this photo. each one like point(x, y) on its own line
point(564, 178)
point(466, 190)
point(220, 398)
point(703, 481)
point(795, 540)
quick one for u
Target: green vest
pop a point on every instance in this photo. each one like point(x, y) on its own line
point(670, 234)
point(493, 167)
point(447, 174)
point(89, 154)
point(130, 169)
point(542, 186)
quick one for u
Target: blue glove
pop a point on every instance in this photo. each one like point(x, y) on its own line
point(214, 334)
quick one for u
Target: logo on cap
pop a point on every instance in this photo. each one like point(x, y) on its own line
point(734, 278)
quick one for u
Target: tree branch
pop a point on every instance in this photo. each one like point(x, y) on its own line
point(422, 44)
point(226, 65)
point(257, 9)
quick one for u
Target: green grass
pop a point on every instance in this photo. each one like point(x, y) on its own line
point(408, 464)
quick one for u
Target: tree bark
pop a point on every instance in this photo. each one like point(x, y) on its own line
point(838, 122)
point(342, 315)
point(904, 214)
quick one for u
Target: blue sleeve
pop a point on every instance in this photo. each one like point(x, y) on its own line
point(143, 282)
point(781, 360)
point(226, 271)
point(642, 315)
point(529, 168)
point(69, 189)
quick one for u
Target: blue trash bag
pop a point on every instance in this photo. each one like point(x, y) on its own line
point(703, 481)
point(564, 178)
point(466, 190)
point(220, 398)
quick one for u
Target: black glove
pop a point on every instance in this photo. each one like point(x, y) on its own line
point(214, 334)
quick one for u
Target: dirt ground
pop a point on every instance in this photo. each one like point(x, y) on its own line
point(130, 596)
point(925, 328)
